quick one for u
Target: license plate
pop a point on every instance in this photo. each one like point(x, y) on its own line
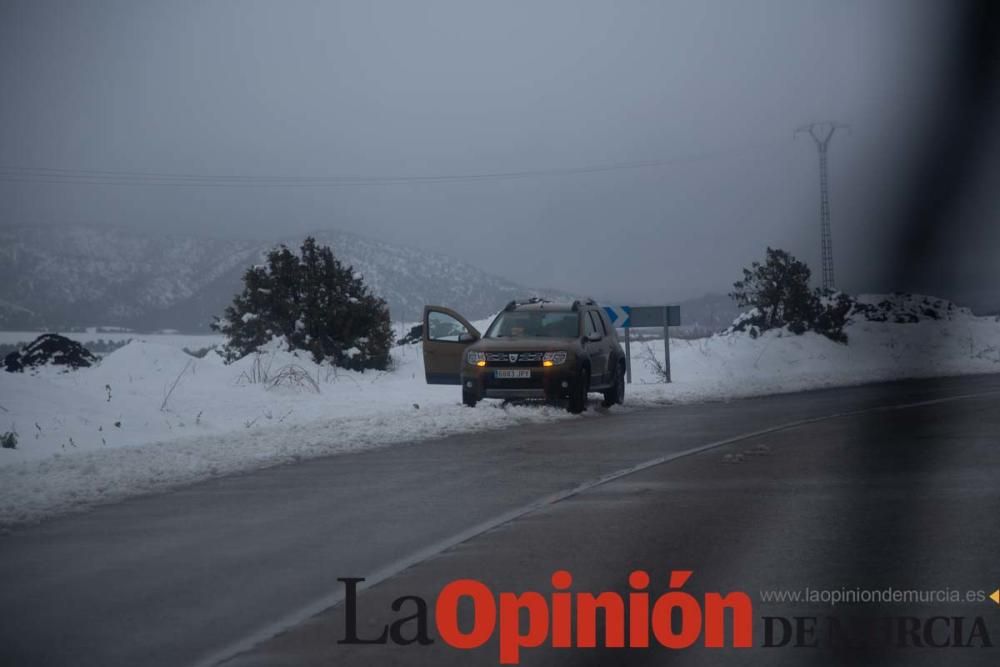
point(509, 373)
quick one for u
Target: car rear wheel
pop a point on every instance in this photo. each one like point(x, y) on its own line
point(578, 393)
point(615, 394)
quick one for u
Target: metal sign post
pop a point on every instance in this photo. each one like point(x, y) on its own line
point(626, 317)
point(666, 348)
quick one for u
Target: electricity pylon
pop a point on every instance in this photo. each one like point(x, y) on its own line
point(821, 134)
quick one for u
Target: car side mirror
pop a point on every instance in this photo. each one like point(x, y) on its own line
point(466, 337)
point(594, 337)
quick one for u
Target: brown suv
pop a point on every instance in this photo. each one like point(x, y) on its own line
point(534, 349)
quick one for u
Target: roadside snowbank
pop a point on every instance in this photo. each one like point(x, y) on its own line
point(737, 365)
point(150, 417)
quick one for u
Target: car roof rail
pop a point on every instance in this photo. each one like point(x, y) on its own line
point(531, 300)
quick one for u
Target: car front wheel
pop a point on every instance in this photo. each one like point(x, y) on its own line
point(578, 393)
point(615, 394)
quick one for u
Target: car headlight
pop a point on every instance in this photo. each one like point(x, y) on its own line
point(475, 358)
point(553, 358)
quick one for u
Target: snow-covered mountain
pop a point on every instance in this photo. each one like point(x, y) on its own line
point(66, 276)
point(408, 278)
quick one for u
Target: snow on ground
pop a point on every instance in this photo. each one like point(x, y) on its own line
point(151, 417)
point(736, 365)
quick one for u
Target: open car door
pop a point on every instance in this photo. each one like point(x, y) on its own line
point(446, 335)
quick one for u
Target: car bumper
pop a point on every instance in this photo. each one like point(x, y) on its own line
point(547, 383)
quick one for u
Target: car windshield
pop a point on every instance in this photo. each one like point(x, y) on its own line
point(535, 324)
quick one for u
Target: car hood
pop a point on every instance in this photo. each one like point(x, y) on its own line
point(524, 344)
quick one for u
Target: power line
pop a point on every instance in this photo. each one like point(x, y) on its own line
point(25, 174)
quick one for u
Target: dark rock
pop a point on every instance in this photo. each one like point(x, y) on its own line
point(49, 349)
point(414, 336)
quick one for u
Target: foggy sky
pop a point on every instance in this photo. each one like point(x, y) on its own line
point(385, 89)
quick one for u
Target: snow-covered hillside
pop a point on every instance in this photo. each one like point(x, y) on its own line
point(79, 275)
point(150, 416)
point(98, 276)
point(408, 278)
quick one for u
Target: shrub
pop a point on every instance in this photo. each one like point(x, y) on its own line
point(777, 289)
point(778, 295)
point(313, 303)
point(832, 314)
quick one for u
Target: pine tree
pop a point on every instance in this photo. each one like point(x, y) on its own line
point(313, 303)
point(778, 292)
point(778, 289)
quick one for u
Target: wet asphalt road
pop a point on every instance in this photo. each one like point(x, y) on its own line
point(905, 497)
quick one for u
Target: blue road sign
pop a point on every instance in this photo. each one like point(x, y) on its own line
point(619, 315)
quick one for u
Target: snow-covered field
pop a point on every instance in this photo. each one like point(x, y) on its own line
point(150, 416)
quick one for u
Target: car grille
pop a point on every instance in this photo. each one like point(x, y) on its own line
point(515, 358)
